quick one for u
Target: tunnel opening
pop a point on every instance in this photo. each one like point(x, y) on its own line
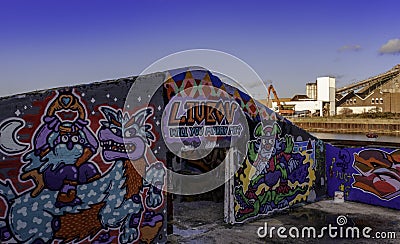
point(187, 213)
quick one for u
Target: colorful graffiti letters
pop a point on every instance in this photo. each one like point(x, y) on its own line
point(379, 173)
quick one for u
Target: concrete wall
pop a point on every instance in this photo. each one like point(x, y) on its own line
point(323, 91)
point(65, 174)
point(68, 175)
point(332, 96)
point(367, 175)
point(326, 92)
point(358, 126)
point(274, 164)
point(284, 166)
point(359, 109)
point(311, 90)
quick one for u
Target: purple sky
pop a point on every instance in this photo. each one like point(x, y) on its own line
point(45, 44)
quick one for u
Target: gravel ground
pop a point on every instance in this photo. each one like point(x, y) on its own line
point(202, 222)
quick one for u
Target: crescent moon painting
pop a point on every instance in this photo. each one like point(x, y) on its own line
point(9, 144)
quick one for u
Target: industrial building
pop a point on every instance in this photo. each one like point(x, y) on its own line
point(322, 98)
point(319, 100)
point(378, 93)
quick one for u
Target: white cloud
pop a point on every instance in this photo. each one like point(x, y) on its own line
point(354, 48)
point(391, 47)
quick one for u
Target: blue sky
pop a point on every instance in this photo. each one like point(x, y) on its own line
point(45, 44)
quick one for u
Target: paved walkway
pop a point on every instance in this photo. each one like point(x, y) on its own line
point(202, 222)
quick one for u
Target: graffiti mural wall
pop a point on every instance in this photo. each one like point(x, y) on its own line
point(281, 165)
point(68, 175)
point(202, 121)
point(368, 175)
point(281, 169)
point(81, 165)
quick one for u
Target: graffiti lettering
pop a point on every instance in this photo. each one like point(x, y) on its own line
point(209, 112)
point(195, 131)
point(223, 130)
point(379, 173)
point(343, 176)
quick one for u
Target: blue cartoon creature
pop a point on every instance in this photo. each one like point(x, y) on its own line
point(62, 149)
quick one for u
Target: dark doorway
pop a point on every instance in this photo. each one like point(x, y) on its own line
point(187, 207)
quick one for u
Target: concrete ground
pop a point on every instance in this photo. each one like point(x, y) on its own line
point(202, 222)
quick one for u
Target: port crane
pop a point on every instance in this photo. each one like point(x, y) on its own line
point(282, 109)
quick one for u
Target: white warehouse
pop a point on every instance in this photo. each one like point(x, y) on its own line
point(320, 98)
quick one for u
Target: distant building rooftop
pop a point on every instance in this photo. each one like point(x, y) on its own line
point(299, 97)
